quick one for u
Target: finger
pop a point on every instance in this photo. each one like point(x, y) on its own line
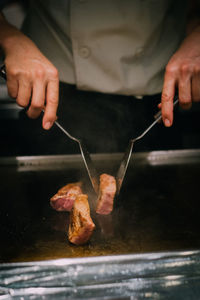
point(184, 91)
point(12, 85)
point(196, 87)
point(167, 100)
point(37, 100)
point(51, 104)
point(24, 93)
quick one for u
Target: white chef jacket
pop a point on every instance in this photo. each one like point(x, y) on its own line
point(110, 46)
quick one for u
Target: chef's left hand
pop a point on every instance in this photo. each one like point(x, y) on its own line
point(182, 72)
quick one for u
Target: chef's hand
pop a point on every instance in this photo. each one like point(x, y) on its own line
point(31, 79)
point(183, 73)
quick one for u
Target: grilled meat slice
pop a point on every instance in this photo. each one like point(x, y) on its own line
point(64, 199)
point(81, 225)
point(107, 191)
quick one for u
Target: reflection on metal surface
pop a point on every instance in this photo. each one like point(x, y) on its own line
point(173, 157)
point(28, 163)
point(172, 280)
point(134, 276)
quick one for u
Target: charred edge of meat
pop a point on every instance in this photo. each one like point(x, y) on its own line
point(68, 186)
point(81, 225)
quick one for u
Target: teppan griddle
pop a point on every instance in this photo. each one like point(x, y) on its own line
point(157, 210)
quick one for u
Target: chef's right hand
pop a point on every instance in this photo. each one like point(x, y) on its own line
point(31, 78)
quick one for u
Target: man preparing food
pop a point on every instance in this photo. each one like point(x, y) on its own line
point(132, 48)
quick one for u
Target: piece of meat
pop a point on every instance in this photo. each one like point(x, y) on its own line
point(64, 199)
point(107, 191)
point(81, 225)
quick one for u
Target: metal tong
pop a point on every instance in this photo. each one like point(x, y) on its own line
point(86, 156)
point(84, 152)
point(127, 155)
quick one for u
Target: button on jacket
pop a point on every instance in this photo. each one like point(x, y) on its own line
point(111, 46)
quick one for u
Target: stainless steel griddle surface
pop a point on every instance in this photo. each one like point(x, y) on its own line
point(157, 210)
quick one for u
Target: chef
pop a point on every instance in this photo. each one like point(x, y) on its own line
point(133, 49)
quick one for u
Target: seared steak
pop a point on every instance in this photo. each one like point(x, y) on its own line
point(107, 190)
point(70, 198)
point(81, 225)
point(64, 199)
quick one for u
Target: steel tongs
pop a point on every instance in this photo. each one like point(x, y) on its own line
point(84, 152)
point(86, 158)
point(127, 155)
